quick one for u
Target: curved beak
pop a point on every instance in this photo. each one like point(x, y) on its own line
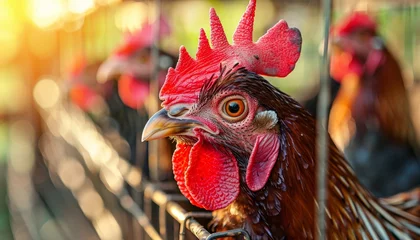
point(160, 125)
point(110, 69)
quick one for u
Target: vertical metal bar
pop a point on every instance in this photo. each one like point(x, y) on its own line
point(162, 221)
point(322, 137)
point(154, 91)
point(412, 35)
point(147, 201)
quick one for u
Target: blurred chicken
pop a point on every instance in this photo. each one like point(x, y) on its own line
point(84, 91)
point(132, 66)
point(370, 118)
point(101, 102)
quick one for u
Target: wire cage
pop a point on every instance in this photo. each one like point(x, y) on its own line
point(82, 183)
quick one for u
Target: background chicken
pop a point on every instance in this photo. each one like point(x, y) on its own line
point(370, 117)
point(246, 150)
point(132, 67)
point(85, 92)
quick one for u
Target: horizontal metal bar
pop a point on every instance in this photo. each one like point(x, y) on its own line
point(188, 217)
point(230, 233)
point(130, 206)
point(180, 215)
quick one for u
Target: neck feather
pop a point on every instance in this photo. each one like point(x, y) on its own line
point(286, 206)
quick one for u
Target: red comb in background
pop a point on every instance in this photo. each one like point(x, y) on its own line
point(354, 21)
point(274, 54)
point(143, 37)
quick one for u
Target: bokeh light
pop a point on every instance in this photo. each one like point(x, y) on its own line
point(46, 13)
point(71, 173)
point(80, 7)
point(46, 93)
point(107, 227)
point(130, 16)
point(90, 202)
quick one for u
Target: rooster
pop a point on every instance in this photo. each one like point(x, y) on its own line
point(131, 66)
point(245, 150)
point(84, 91)
point(370, 118)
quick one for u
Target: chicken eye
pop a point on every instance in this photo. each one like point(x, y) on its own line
point(234, 109)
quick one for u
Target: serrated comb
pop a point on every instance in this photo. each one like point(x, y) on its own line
point(274, 54)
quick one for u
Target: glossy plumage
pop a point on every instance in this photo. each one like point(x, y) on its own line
point(285, 207)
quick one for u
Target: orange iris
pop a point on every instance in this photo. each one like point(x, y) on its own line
point(234, 107)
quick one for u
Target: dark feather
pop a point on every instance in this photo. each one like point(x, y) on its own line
point(285, 206)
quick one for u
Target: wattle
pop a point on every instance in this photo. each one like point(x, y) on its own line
point(133, 92)
point(207, 174)
point(343, 64)
point(83, 96)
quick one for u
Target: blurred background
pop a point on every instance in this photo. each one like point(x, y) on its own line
point(70, 160)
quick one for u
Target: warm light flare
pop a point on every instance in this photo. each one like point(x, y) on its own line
point(132, 15)
point(45, 13)
point(80, 6)
point(106, 2)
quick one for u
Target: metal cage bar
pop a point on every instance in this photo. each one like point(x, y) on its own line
point(322, 128)
point(153, 193)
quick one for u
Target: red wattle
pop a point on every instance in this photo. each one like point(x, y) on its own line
point(342, 64)
point(206, 175)
point(262, 160)
point(179, 166)
point(212, 176)
point(133, 92)
point(82, 96)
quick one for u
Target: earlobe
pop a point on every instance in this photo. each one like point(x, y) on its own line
point(262, 160)
point(265, 120)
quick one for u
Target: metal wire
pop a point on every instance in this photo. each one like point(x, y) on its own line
point(322, 128)
point(153, 192)
point(154, 154)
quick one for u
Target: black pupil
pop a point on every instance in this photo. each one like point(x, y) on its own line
point(234, 107)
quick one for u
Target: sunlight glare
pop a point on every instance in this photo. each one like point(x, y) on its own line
point(45, 13)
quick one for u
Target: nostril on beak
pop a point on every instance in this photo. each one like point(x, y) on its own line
point(177, 111)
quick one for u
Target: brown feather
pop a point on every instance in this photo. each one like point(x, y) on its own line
point(285, 207)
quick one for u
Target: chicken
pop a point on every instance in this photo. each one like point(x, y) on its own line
point(370, 118)
point(245, 150)
point(132, 66)
point(84, 91)
point(100, 101)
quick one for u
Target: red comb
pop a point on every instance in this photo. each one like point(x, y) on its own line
point(142, 38)
point(274, 54)
point(355, 21)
